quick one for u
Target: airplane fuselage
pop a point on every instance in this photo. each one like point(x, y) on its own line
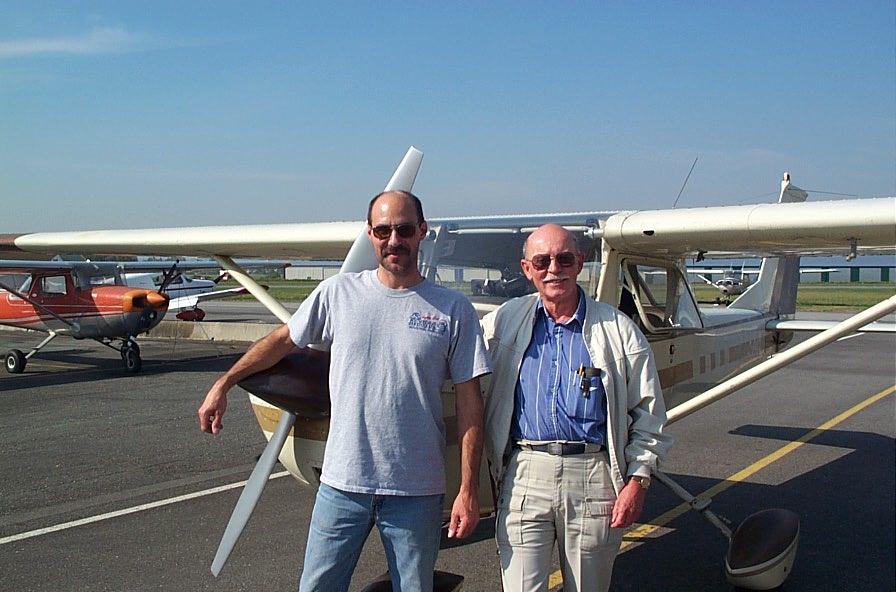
point(67, 303)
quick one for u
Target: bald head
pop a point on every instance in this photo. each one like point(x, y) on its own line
point(406, 195)
point(550, 234)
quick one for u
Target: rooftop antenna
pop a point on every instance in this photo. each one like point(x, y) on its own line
point(685, 182)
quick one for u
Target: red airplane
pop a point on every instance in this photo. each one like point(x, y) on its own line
point(83, 300)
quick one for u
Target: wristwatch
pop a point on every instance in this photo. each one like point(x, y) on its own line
point(644, 482)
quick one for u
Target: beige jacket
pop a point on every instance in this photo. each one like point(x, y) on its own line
point(636, 415)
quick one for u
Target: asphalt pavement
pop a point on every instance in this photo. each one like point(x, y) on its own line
point(106, 482)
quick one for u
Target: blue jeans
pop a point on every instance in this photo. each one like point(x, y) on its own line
point(340, 523)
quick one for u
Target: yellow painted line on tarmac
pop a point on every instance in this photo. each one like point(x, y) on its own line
point(645, 530)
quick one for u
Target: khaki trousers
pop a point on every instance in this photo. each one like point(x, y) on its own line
point(569, 499)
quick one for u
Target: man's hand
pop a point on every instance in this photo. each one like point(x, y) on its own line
point(628, 505)
point(211, 412)
point(464, 515)
point(261, 355)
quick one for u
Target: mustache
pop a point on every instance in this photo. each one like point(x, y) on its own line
point(550, 277)
point(396, 250)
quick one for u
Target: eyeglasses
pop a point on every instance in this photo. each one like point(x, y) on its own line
point(384, 231)
point(542, 262)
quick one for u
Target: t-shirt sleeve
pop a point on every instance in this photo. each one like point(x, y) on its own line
point(468, 358)
point(310, 323)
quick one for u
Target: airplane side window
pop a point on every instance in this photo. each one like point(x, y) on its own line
point(686, 313)
point(661, 296)
point(53, 285)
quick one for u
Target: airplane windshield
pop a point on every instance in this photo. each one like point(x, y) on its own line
point(96, 275)
point(485, 264)
point(660, 296)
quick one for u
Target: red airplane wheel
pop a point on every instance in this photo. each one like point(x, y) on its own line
point(15, 362)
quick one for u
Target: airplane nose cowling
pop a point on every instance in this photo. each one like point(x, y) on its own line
point(138, 300)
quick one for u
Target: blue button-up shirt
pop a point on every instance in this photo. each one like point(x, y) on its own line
point(550, 403)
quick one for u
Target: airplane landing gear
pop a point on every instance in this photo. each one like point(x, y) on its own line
point(130, 354)
point(760, 551)
point(15, 361)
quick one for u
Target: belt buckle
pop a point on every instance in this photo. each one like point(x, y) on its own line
point(555, 448)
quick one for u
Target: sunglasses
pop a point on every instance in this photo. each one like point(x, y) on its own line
point(542, 262)
point(384, 231)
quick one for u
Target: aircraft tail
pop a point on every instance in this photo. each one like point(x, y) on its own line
point(775, 290)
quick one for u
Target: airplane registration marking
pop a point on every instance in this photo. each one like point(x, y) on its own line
point(132, 510)
point(644, 531)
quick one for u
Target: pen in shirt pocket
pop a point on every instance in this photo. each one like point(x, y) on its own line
point(587, 373)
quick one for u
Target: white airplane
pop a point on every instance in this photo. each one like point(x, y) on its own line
point(734, 283)
point(730, 284)
point(187, 293)
point(638, 264)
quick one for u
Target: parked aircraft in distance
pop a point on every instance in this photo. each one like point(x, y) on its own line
point(100, 301)
point(80, 300)
point(733, 283)
point(639, 262)
point(187, 292)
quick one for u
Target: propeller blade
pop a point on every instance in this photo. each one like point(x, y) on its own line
point(252, 491)
point(169, 277)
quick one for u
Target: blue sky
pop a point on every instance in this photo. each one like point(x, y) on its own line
point(130, 114)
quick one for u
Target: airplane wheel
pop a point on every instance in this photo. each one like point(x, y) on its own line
point(132, 361)
point(133, 346)
point(15, 362)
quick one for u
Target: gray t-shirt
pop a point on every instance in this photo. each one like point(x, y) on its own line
point(391, 351)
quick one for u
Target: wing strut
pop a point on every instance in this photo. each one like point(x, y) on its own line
point(254, 288)
point(793, 354)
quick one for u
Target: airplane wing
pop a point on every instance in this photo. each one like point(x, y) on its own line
point(17, 266)
point(699, 270)
point(195, 265)
point(193, 300)
point(824, 228)
point(327, 240)
point(845, 227)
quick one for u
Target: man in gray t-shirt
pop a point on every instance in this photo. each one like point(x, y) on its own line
point(394, 339)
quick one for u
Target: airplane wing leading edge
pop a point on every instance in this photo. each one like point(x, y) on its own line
point(828, 228)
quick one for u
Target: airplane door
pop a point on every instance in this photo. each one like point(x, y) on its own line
point(657, 297)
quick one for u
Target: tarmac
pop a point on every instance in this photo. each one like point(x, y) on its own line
point(106, 482)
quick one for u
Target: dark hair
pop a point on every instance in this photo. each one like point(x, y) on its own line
point(414, 199)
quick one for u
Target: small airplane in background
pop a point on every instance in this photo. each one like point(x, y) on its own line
point(187, 292)
point(701, 354)
point(81, 300)
point(109, 302)
point(731, 283)
point(734, 283)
